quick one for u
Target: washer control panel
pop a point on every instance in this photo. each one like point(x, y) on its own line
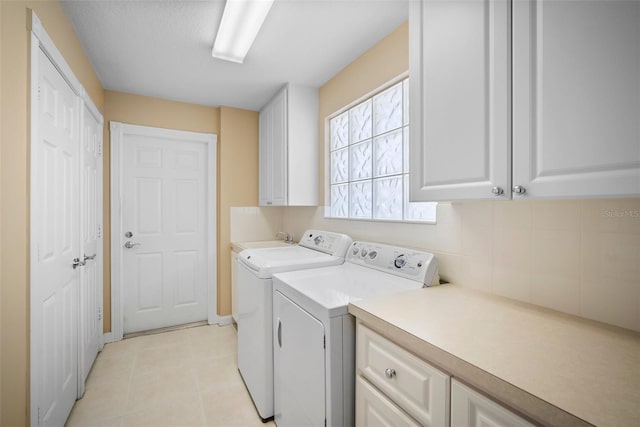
point(335, 244)
point(409, 263)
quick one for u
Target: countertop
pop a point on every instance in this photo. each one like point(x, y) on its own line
point(240, 246)
point(553, 368)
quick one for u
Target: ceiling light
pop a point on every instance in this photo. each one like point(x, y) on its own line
point(241, 21)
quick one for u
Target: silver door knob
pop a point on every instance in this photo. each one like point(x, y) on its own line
point(128, 234)
point(497, 191)
point(518, 189)
point(130, 244)
point(390, 372)
point(77, 263)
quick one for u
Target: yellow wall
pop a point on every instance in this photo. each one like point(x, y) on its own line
point(144, 111)
point(237, 185)
point(14, 190)
point(384, 61)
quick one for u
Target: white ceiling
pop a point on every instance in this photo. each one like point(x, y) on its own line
point(162, 48)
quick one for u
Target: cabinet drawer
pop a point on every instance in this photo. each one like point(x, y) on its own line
point(414, 385)
point(374, 409)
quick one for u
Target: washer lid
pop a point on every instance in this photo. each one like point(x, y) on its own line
point(326, 292)
point(267, 261)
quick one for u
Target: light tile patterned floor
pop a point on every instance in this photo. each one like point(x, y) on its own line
point(181, 378)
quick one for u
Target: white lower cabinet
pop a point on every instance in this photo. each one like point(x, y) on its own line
point(470, 408)
point(417, 388)
point(375, 409)
point(396, 388)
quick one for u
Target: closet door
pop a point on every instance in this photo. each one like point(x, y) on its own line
point(576, 100)
point(55, 244)
point(91, 241)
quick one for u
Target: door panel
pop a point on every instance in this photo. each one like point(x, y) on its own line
point(460, 99)
point(164, 207)
point(576, 115)
point(91, 241)
point(299, 365)
point(55, 212)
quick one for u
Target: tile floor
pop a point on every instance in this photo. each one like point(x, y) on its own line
point(181, 378)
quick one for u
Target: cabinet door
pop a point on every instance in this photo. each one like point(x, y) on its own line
point(265, 164)
point(576, 101)
point(374, 409)
point(299, 366)
point(460, 99)
point(469, 408)
point(279, 150)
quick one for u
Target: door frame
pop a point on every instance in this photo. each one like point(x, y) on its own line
point(118, 130)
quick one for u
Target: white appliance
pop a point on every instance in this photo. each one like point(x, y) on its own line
point(255, 299)
point(314, 335)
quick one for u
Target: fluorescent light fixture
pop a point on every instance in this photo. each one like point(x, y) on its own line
point(241, 21)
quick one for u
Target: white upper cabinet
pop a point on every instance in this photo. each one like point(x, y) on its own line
point(459, 100)
point(576, 98)
point(535, 99)
point(288, 158)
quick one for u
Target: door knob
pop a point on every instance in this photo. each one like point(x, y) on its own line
point(77, 263)
point(130, 244)
point(128, 234)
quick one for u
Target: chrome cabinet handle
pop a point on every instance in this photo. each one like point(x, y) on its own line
point(77, 263)
point(89, 257)
point(497, 191)
point(390, 372)
point(130, 244)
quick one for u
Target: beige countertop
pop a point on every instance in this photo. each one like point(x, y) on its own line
point(553, 368)
point(240, 246)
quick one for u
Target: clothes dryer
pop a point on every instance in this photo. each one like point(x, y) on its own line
point(314, 335)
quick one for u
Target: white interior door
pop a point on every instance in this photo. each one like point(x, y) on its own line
point(164, 240)
point(54, 245)
point(91, 242)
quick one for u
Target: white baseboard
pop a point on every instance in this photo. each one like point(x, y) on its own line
point(225, 320)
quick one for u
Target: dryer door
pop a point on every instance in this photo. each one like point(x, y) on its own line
point(299, 365)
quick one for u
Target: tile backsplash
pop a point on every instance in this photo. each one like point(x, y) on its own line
point(255, 223)
point(580, 257)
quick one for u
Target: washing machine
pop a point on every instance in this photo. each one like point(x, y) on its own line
point(314, 335)
point(255, 297)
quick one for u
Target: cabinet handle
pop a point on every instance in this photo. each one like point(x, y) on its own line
point(497, 191)
point(390, 372)
point(269, 203)
point(279, 333)
point(519, 189)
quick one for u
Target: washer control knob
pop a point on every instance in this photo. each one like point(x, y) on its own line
point(373, 254)
point(355, 251)
point(400, 261)
point(318, 240)
point(364, 252)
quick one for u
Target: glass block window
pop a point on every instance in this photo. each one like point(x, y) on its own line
point(369, 160)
